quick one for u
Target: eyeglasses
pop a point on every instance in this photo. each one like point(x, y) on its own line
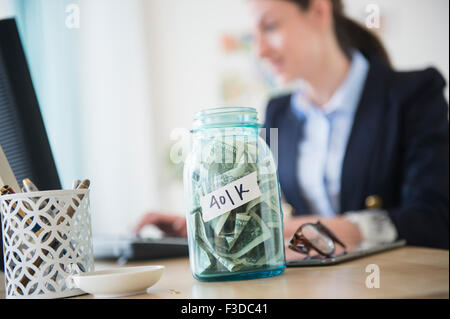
point(315, 236)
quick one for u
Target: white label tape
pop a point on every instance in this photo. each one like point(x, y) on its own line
point(230, 196)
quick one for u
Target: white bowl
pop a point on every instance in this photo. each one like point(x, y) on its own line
point(118, 282)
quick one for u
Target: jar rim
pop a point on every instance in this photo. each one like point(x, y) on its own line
point(226, 117)
point(224, 110)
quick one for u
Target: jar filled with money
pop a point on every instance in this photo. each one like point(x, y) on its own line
point(234, 216)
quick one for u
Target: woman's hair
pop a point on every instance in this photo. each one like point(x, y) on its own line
point(350, 34)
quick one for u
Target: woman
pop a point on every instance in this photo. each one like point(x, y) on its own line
point(361, 147)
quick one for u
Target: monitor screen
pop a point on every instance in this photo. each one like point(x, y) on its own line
point(23, 137)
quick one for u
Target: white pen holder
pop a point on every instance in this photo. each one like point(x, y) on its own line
point(47, 238)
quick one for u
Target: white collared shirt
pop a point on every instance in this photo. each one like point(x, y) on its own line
point(326, 133)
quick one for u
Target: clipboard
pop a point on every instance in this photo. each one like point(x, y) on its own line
point(358, 253)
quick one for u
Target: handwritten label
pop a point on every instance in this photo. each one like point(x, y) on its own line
point(230, 196)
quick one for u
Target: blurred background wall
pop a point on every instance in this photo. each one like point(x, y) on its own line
point(115, 84)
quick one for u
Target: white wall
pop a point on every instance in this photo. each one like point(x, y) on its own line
point(6, 9)
point(415, 32)
point(117, 114)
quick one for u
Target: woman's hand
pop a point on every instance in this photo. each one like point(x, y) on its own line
point(171, 225)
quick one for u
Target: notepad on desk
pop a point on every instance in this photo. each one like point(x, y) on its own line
point(6, 174)
point(358, 253)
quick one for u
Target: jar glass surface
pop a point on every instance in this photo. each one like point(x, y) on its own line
point(238, 235)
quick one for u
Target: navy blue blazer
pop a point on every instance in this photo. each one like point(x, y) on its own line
point(398, 150)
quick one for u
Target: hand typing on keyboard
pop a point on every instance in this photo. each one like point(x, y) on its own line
point(171, 225)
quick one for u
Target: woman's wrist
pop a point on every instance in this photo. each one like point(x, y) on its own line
point(348, 232)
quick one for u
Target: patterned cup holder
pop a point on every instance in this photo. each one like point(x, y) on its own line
point(47, 238)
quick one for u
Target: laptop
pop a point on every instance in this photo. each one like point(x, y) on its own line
point(134, 248)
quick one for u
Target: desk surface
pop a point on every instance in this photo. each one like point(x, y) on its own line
point(408, 272)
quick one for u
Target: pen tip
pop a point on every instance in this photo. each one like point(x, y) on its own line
point(84, 184)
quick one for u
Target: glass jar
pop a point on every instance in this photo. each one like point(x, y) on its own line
point(234, 216)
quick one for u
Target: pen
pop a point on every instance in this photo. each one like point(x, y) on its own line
point(28, 186)
point(70, 211)
point(83, 185)
point(76, 183)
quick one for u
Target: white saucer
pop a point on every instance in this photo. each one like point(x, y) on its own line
point(118, 282)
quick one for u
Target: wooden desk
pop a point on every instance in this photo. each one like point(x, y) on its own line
point(408, 272)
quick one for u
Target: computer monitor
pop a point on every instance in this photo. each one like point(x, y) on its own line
point(22, 132)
